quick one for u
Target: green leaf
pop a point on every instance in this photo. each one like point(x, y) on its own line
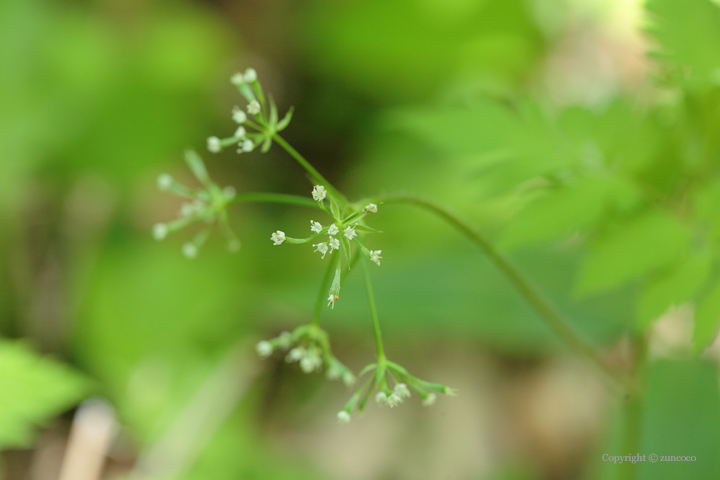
point(678, 286)
point(689, 33)
point(653, 240)
point(366, 229)
point(197, 167)
point(334, 209)
point(33, 389)
point(285, 121)
point(707, 318)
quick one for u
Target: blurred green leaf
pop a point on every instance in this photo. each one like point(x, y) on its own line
point(33, 389)
point(653, 240)
point(689, 33)
point(707, 318)
point(675, 287)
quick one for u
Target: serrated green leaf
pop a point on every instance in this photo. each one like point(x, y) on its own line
point(677, 286)
point(33, 389)
point(707, 318)
point(635, 247)
point(689, 32)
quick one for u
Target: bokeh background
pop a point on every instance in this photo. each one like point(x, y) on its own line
point(580, 135)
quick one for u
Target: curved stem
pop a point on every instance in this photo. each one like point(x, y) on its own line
point(274, 198)
point(551, 316)
point(311, 170)
point(373, 314)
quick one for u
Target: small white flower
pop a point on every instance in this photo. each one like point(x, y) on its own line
point(315, 226)
point(343, 416)
point(213, 144)
point(295, 354)
point(238, 115)
point(401, 390)
point(253, 107)
point(229, 192)
point(250, 75)
point(278, 237)
point(375, 256)
point(247, 145)
point(189, 250)
point(394, 400)
point(284, 340)
point(164, 182)
point(349, 233)
point(237, 79)
point(334, 244)
point(160, 231)
point(187, 209)
point(348, 379)
point(307, 364)
point(322, 248)
point(429, 400)
point(381, 397)
point(370, 208)
point(264, 348)
point(240, 132)
point(333, 230)
point(319, 193)
point(331, 300)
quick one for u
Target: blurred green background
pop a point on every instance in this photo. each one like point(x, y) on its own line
point(580, 135)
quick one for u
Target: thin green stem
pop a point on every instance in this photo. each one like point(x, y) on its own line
point(275, 198)
point(373, 314)
point(547, 312)
point(311, 170)
point(322, 295)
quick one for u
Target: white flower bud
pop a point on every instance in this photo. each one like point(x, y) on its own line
point(319, 193)
point(250, 75)
point(343, 416)
point(394, 400)
point(401, 390)
point(375, 256)
point(240, 132)
point(160, 231)
point(348, 379)
point(429, 400)
point(213, 145)
point(295, 354)
point(229, 192)
point(278, 237)
point(307, 364)
point(334, 244)
point(247, 145)
point(315, 226)
point(264, 348)
point(370, 208)
point(253, 107)
point(164, 182)
point(333, 230)
point(237, 79)
point(238, 115)
point(381, 397)
point(189, 250)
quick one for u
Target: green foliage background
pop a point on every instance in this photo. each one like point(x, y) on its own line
point(611, 208)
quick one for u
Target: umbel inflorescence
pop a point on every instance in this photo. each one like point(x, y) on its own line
point(340, 238)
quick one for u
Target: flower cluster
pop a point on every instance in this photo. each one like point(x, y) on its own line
point(382, 374)
point(207, 204)
point(261, 116)
point(310, 347)
point(343, 230)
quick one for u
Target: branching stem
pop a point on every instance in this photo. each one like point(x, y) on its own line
point(373, 314)
point(547, 312)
